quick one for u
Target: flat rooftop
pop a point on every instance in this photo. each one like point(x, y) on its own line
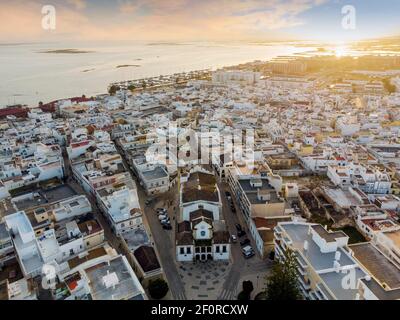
point(43, 196)
point(6, 207)
point(4, 234)
point(112, 280)
point(136, 238)
point(252, 192)
point(377, 264)
point(395, 237)
point(298, 233)
point(157, 173)
point(343, 198)
point(91, 254)
point(320, 261)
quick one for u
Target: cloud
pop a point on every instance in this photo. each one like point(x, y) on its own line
point(156, 19)
point(78, 4)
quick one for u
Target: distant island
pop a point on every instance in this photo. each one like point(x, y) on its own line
point(88, 70)
point(166, 44)
point(66, 51)
point(127, 66)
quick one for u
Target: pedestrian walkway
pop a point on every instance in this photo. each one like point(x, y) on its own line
point(204, 280)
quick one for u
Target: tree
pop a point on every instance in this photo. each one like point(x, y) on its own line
point(158, 288)
point(113, 89)
point(272, 255)
point(282, 283)
point(247, 288)
point(243, 296)
point(390, 87)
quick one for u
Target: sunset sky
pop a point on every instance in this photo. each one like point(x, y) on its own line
point(197, 20)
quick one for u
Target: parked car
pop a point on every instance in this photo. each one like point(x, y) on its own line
point(161, 210)
point(248, 252)
point(244, 242)
point(165, 212)
point(233, 238)
point(165, 220)
point(238, 227)
point(241, 233)
point(167, 226)
point(228, 195)
point(147, 202)
point(161, 217)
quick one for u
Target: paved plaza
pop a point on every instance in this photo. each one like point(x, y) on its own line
point(204, 280)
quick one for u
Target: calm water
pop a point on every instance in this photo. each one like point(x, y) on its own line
point(28, 76)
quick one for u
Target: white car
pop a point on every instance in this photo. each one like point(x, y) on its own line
point(248, 252)
point(233, 238)
point(162, 217)
point(166, 220)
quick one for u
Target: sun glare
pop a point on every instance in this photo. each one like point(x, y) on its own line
point(340, 52)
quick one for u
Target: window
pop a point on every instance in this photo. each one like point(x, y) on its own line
point(203, 233)
point(224, 249)
point(188, 250)
point(201, 206)
point(182, 250)
point(217, 249)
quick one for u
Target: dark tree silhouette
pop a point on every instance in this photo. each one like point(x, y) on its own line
point(247, 288)
point(158, 288)
point(282, 283)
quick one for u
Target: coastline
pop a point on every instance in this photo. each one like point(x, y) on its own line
point(97, 77)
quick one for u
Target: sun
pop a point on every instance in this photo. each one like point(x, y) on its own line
point(340, 51)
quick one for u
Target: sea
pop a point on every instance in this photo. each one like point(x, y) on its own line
point(33, 72)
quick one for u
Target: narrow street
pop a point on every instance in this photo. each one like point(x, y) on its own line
point(241, 267)
point(108, 233)
point(161, 239)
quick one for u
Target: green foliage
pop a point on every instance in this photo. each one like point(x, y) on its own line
point(113, 90)
point(243, 296)
point(391, 88)
point(282, 283)
point(158, 288)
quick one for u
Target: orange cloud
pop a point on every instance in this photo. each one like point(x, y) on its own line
point(155, 19)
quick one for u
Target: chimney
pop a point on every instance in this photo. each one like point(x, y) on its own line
point(336, 266)
point(337, 255)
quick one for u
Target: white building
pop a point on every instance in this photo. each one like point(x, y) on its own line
point(323, 260)
point(199, 190)
point(120, 203)
point(246, 77)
